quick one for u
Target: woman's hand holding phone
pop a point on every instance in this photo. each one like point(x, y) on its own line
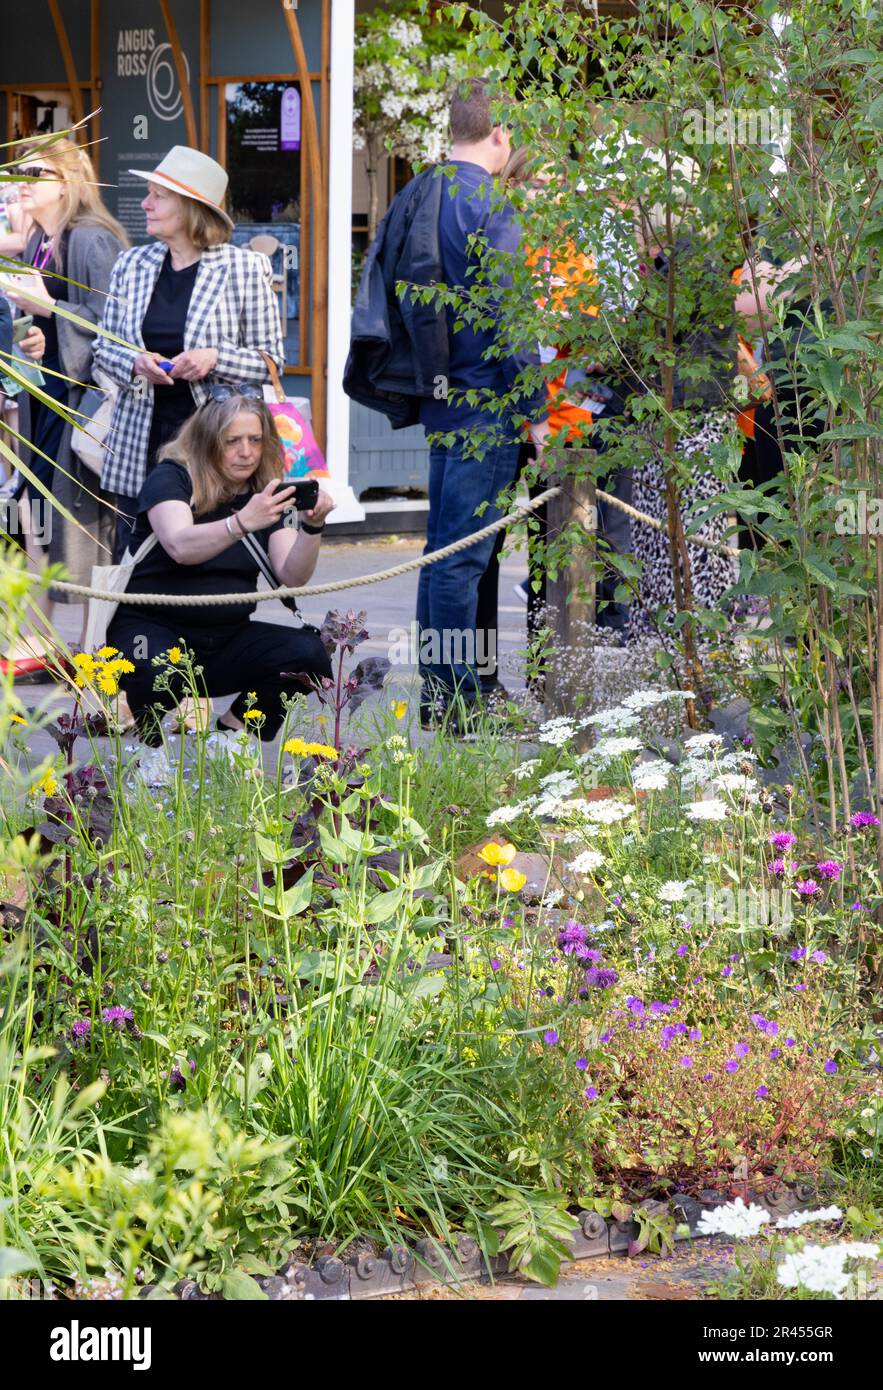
point(266, 507)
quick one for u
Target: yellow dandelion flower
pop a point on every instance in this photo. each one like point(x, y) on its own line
point(106, 652)
point(47, 784)
point(400, 708)
point(119, 667)
point(512, 880)
point(254, 714)
point(17, 719)
point(174, 654)
point(322, 750)
point(85, 662)
point(106, 683)
point(296, 747)
point(495, 854)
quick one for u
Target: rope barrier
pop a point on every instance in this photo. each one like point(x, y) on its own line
point(305, 591)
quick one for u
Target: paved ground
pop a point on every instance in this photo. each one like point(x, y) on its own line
point(390, 606)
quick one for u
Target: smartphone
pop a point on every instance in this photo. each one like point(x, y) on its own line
point(306, 493)
point(21, 327)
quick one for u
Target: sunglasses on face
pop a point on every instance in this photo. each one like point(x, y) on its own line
point(35, 171)
point(222, 391)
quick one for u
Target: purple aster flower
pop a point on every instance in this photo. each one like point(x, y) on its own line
point(762, 1091)
point(80, 1029)
point(782, 840)
point(582, 1063)
point(606, 1036)
point(495, 964)
point(819, 957)
point(862, 819)
point(807, 887)
point(675, 1004)
point(591, 1093)
point(686, 1061)
point(790, 1042)
point(601, 978)
point(682, 950)
point(117, 1017)
point(550, 1038)
point(798, 952)
point(741, 1049)
point(731, 1066)
point(830, 869)
point(772, 1028)
point(775, 1052)
point(831, 1067)
point(727, 970)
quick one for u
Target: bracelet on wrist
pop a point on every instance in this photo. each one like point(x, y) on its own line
point(238, 522)
point(228, 526)
point(312, 530)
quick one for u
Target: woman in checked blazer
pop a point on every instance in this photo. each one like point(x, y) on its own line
point(195, 306)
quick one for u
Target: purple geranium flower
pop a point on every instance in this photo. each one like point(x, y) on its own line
point(636, 1005)
point(819, 957)
point(762, 1091)
point(798, 989)
point(495, 964)
point(782, 840)
point(727, 970)
point(591, 1093)
point(831, 1067)
point(695, 1035)
point(759, 1021)
point(550, 1037)
point(606, 1036)
point(582, 1063)
point(862, 819)
point(857, 906)
point(775, 1052)
point(790, 1042)
point(731, 1066)
point(798, 952)
point(830, 869)
point(682, 950)
point(741, 1049)
point(686, 1061)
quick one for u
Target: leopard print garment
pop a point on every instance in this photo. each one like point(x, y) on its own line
point(711, 573)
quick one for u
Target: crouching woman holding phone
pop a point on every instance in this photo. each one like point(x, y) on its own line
point(215, 492)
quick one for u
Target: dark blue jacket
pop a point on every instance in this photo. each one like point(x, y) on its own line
point(398, 347)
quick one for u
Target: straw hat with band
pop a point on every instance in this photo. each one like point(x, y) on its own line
point(192, 174)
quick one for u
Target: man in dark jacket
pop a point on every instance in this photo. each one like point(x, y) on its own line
point(407, 360)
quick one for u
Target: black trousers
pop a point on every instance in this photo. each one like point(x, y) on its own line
point(270, 659)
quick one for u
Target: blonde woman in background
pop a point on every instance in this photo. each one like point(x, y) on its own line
point(72, 251)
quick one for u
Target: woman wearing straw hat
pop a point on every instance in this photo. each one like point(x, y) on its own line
point(196, 307)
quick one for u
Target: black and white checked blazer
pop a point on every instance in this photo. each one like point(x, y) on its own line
point(232, 308)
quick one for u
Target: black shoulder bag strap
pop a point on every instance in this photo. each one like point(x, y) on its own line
point(262, 560)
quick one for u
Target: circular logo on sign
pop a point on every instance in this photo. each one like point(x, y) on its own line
point(163, 91)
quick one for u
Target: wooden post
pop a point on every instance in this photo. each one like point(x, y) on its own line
point(572, 593)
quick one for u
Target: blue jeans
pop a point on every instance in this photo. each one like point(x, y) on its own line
point(452, 653)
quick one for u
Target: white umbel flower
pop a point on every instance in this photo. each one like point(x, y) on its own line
point(504, 815)
point(712, 809)
point(805, 1218)
point(822, 1268)
point(674, 890)
point(525, 769)
point(651, 776)
point(608, 748)
point(733, 1219)
point(557, 732)
point(587, 862)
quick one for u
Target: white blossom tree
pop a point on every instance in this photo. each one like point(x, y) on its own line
point(404, 67)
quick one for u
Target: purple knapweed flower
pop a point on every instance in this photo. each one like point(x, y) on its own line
point(177, 1077)
point(80, 1029)
point(831, 1067)
point(807, 887)
point(830, 869)
point(572, 936)
point(862, 819)
point(600, 977)
point(592, 955)
point(782, 839)
point(550, 1037)
point(117, 1017)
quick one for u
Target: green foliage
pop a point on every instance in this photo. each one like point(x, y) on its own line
point(535, 1230)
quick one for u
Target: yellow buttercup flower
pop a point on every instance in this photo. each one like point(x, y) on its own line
point(512, 880)
point(495, 854)
point(254, 714)
point(400, 708)
point(174, 655)
point(106, 652)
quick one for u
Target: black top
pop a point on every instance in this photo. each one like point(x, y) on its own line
point(163, 331)
point(57, 289)
point(233, 571)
